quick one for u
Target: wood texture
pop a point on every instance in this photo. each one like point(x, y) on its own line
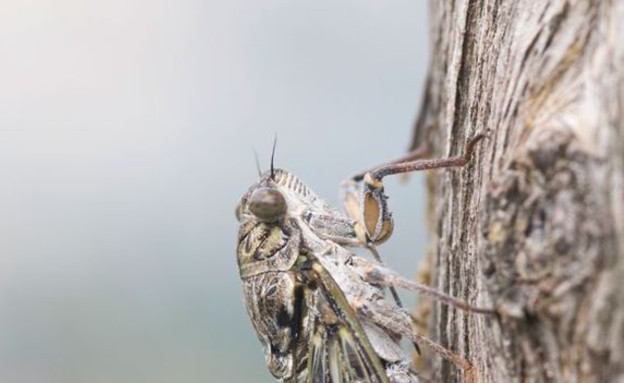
point(535, 224)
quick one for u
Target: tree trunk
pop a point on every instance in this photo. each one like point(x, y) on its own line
point(534, 226)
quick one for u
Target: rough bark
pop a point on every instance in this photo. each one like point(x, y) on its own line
point(535, 224)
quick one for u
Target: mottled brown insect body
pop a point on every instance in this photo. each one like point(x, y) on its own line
point(319, 310)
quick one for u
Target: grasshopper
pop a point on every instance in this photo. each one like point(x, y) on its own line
point(318, 309)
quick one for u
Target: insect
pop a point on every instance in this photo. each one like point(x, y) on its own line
point(320, 310)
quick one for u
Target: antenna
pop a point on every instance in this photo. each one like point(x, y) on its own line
point(273, 156)
point(257, 162)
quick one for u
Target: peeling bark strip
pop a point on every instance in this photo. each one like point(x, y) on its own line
point(535, 224)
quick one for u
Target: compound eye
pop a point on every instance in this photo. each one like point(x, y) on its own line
point(267, 204)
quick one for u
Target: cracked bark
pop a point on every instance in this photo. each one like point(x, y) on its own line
point(535, 224)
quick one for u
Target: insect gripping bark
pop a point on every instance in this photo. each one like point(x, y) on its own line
point(319, 310)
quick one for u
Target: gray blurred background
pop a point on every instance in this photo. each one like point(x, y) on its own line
point(126, 136)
